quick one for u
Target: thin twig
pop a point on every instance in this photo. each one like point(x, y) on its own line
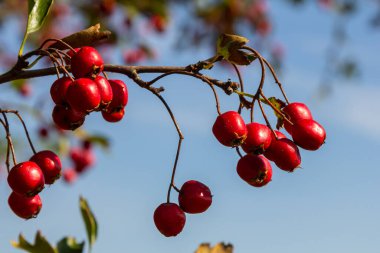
point(9, 138)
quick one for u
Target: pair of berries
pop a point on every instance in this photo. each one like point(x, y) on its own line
point(194, 197)
point(89, 92)
point(27, 179)
point(261, 144)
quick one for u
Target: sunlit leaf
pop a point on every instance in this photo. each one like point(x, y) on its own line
point(70, 245)
point(89, 221)
point(218, 248)
point(41, 245)
point(279, 104)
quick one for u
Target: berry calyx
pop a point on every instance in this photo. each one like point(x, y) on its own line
point(230, 129)
point(169, 219)
point(120, 94)
point(25, 207)
point(67, 118)
point(58, 90)
point(86, 62)
point(26, 179)
point(295, 112)
point(105, 91)
point(50, 165)
point(258, 138)
point(194, 197)
point(113, 116)
point(83, 95)
point(308, 134)
point(255, 170)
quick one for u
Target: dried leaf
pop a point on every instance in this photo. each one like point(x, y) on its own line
point(218, 248)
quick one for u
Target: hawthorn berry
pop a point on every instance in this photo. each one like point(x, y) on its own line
point(258, 138)
point(67, 118)
point(50, 165)
point(285, 154)
point(295, 111)
point(25, 207)
point(83, 95)
point(230, 129)
point(194, 197)
point(169, 219)
point(82, 159)
point(69, 176)
point(114, 116)
point(26, 179)
point(43, 132)
point(86, 62)
point(120, 95)
point(255, 170)
point(308, 134)
point(105, 91)
point(269, 151)
point(58, 90)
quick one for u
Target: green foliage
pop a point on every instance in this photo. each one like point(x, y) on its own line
point(89, 221)
point(70, 245)
point(41, 245)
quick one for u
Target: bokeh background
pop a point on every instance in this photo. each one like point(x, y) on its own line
point(328, 58)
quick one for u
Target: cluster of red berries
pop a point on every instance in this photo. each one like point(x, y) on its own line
point(260, 143)
point(27, 180)
point(89, 91)
point(194, 197)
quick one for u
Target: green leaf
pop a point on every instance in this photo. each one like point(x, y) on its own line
point(41, 245)
point(279, 104)
point(229, 47)
point(70, 245)
point(37, 13)
point(89, 221)
point(100, 140)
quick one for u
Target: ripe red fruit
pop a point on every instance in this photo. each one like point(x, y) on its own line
point(295, 111)
point(120, 94)
point(58, 90)
point(82, 159)
point(26, 179)
point(83, 95)
point(43, 132)
point(50, 165)
point(255, 170)
point(169, 219)
point(285, 154)
point(269, 152)
point(66, 118)
point(258, 139)
point(113, 116)
point(308, 134)
point(25, 207)
point(87, 62)
point(230, 129)
point(194, 197)
point(105, 91)
point(69, 175)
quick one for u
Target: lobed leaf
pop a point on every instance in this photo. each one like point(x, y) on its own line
point(41, 245)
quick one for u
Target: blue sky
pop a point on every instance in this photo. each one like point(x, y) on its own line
point(331, 205)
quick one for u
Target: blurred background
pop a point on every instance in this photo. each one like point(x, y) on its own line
point(326, 52)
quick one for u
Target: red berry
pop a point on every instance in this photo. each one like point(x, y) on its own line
point(120, 94)
point(269, 152)
point(194, 197)
point(87, 62)
point(255, 170)
point(158, 22)
point(69, 175)
point(82, 159)
point(83, 95)
point(43, 132)
point(169, 219)
point(230, 129)
point(295, 111)
point(26, 179)
point(105, 91)
point(114, 116)
point(308, 134)
point(285, 154)
point(50, 165)
point(25, 90)
point(258, 139)
point(58, 90)
point(25, 207)
point(66, 118)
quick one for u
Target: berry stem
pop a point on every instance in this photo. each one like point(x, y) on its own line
point(5, 123)
point(56, 40)
point(276, 80)
point(241, 98)
point(266, 118)
point(238, 152)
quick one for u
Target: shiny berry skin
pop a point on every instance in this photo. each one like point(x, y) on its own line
point(83, 95)
point(25, 207)
point(230, 129)
point(169, 219)
point(255, 170)
point(82, 159)
point(286, 155)
point(194, 197)
point(105, 91)
point(66, 118)
point(26, 179)
point(87, 62)
point(50, 165)
point(308, 134)
point(58, 90)
point(258, 139)
point(69, 176)
point(295, 111)
point(120, 94)
point(114, 116)
point(269, 152)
